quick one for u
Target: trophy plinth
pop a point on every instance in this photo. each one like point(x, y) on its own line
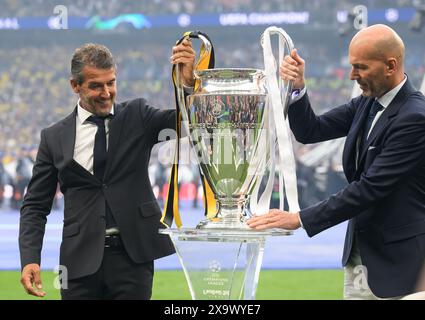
point(221, 264)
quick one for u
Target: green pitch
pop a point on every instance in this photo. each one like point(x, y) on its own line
point(171, 285)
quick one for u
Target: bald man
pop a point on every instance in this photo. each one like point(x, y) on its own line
point(383, 160)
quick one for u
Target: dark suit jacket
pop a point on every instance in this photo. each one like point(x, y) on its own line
point(385, 198)
point(126, 188)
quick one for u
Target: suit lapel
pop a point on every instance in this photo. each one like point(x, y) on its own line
point(351, 148)
point(391, 111)
point(377, 128)
point(115, 128)
point(67, 136)
point(67, 139)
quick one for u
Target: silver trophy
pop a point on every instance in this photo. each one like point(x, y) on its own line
point(234, 120)
point(228, 124)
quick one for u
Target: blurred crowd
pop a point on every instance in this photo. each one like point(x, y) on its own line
point(84, 8)
point(35, 92)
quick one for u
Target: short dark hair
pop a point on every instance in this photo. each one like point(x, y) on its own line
point(90, 54)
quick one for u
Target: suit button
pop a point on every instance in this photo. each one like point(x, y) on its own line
point(104, 186)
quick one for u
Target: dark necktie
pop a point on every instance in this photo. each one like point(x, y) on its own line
point(99, 151)
point(374, 109)
point(99, 159)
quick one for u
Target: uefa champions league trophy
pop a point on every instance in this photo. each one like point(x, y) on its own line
point(231, 122)
point(226, 118)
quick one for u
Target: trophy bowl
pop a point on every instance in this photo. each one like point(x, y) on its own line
point(226, 118)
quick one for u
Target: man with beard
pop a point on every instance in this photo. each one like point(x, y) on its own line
point(384, 163)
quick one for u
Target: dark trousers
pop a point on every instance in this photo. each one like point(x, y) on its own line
point(118, 278)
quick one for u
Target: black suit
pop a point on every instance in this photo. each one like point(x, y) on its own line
point(126, 188)
point(385, 198)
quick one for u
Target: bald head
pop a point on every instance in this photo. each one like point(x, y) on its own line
point(379, 42)
point(376, 54)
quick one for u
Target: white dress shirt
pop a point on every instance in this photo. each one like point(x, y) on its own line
point(385, 101)
point(84, 138)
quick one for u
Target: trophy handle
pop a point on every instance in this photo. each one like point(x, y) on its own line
point(279, 93)
point(285, 45)
point(205, 61)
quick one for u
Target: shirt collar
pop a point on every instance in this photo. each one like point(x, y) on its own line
point(83, 114)
point(386, 99)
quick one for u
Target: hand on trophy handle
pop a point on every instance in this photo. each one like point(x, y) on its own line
point(275, 219)
point(292, 69)
point(184, 56)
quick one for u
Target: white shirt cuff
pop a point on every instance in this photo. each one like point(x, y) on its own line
point(297, 95)
point(301, 222)
point(188, 90)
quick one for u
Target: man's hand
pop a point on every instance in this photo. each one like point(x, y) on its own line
point(275, 219)
point(184, 55)
point(292, 69)
point(31, 280)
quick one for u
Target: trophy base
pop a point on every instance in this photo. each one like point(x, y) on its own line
point(222, 223)
point(221, 264)
point(232, 215)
